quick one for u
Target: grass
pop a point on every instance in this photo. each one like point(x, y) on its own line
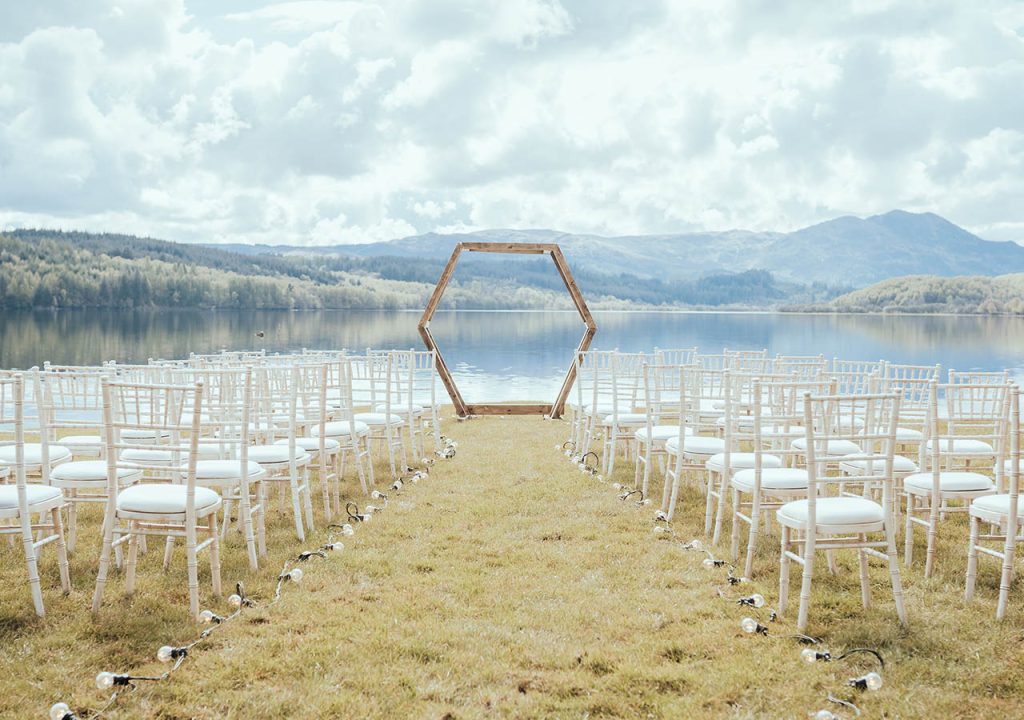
point(509, 585)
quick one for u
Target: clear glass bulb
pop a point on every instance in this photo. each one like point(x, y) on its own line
point(206, 616)
point(59, 711)
point(825, 715)
point(709, 563)
point(757, 599)
point(348, 530)
point(396, 485)
point(696, 545)
point(235, 600)
point(658, 529)
point(105, 680)
point(660, 515)
point(377, 495)
point(370, 510)
point(748, 625)
point(367, 518)
point(336, 547)
point(617, 486)
point(165, 653)
point(808, 655)
point(873, 681)
point(295, 574)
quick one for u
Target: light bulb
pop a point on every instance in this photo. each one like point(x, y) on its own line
point(660, 516)
point(568, 453)
point(582, 467)
point(295, 574)
point(59, 711)
point(757, 599)
point(658, 529)
point(825, 715)
point(335, 547)
point(696, 545)
point(873, 681)
point(377, 495)
point(600, 477)
point(749, 625)
point(367, 518)
point(809, 656)
point(370, 510)
point(709, 563)
point(558, 447)
point(207, 616)
point(165, 653)
point(105, 680)
point(617, 486)
point(645, 501)
point(348, 530)
point(396, 485)
point(235, 600)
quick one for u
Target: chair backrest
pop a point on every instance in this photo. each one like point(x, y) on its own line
point(915, 398)
point(152, 418)
point(899, 373)
point(748, 361)
point(853, 377)
point(675, 356)
point(978, 377)
point(228, 422)
point(338, 398)
point(867, 420)
point(778, 416)
point(800, 367)
point(12, 431)
point(975, 412)
point(593, 377)
point(661, 394)
point(626, 378)
point(72, 402)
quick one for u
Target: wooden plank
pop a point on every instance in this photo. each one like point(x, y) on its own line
point(570, 285)
point(558, 408)
point(512, 248)
point(442, 369)
point(442, 283)
point(495, 409)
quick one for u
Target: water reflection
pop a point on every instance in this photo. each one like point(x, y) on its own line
point(503, 356)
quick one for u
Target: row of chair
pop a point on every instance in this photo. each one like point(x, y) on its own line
point(178, 449)
point(834, 450)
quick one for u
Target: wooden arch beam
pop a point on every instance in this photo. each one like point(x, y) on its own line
point(554, 410)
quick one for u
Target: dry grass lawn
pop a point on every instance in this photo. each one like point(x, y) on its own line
point(507, 585)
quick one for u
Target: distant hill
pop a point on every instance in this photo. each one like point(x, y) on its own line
point(930, 294)
point(848, 250)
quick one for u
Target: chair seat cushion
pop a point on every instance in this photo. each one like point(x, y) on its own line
point(91, 471)
point(995, 506)
point(34, 454)
point(661, 433)
point(966, 446)
point(832, 511)
point(164, 499)
point(742, 460)
point(225, 469)
point(378, 419)
point(904, 434)
point(625, 419)
point(859, 466)
point(312, 444)
point(948, 482)
point(143, 434)
point(36, 494)
point(1008, 465)
point(400, 409)
point(835, 448)
point(275, 453)
point(89, 442)
point(778, 478)
point(150, 456)
point(338, 428)
point(696, 445)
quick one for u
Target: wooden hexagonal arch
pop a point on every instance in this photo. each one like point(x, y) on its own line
point(555, 409)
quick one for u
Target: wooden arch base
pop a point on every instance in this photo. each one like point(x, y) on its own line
point(555, 409)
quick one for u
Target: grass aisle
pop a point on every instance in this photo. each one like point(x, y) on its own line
point(510, 585)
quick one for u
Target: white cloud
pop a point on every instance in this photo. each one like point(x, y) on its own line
point(329, 122)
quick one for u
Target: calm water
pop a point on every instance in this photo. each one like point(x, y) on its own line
point(506, 356)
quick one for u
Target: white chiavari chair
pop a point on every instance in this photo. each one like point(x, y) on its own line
point(351, 436)
point(311, 399)
point(854, 377)
point(689, 450)
point(619, 424)
point(800, 367)
point(975, 427)
point(174, 510)
point(20, 502)
point(663, 415)
point(832, 523)
point(424, 394)
point(754, 362)
point(675, 356)
point(371, 379)
point(1003, 514)
point(277, 417)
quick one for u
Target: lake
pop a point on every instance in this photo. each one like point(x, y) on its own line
point(499, 356)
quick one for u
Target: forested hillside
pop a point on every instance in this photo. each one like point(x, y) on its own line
point(930, 294)
point(55, 269)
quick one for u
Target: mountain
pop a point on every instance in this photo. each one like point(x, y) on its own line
point(853, 251)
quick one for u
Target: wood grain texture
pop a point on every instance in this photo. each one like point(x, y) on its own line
point(555, 410)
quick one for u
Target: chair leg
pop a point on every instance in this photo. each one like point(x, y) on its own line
point(108, 538)
point(245, 518)
point(709, 506)
point(307, 495)
point(62, 551)
point(894, 573)
point(734, 548)
point(293, 486)
point(72, 519)
point(972, 559)
point(908, 531)
point(168, 552)
point(755, 527)
point(133, 556)
point(33, 566)
point(214, 554)
point(720, 510)
point(1006, 577)
point(261, 518)
point(193, 570)
point(934, 508)
point(325, 483)
point(865, 580)
point(784, 563)
point(805, 586)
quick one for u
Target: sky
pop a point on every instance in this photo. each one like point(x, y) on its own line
point(316, 122)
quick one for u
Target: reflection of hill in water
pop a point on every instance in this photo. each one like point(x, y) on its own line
point(506, 348)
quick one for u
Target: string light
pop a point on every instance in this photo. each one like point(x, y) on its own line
point(870, 681)
point(61, 711)
point(756, 600)
point(751, 626)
